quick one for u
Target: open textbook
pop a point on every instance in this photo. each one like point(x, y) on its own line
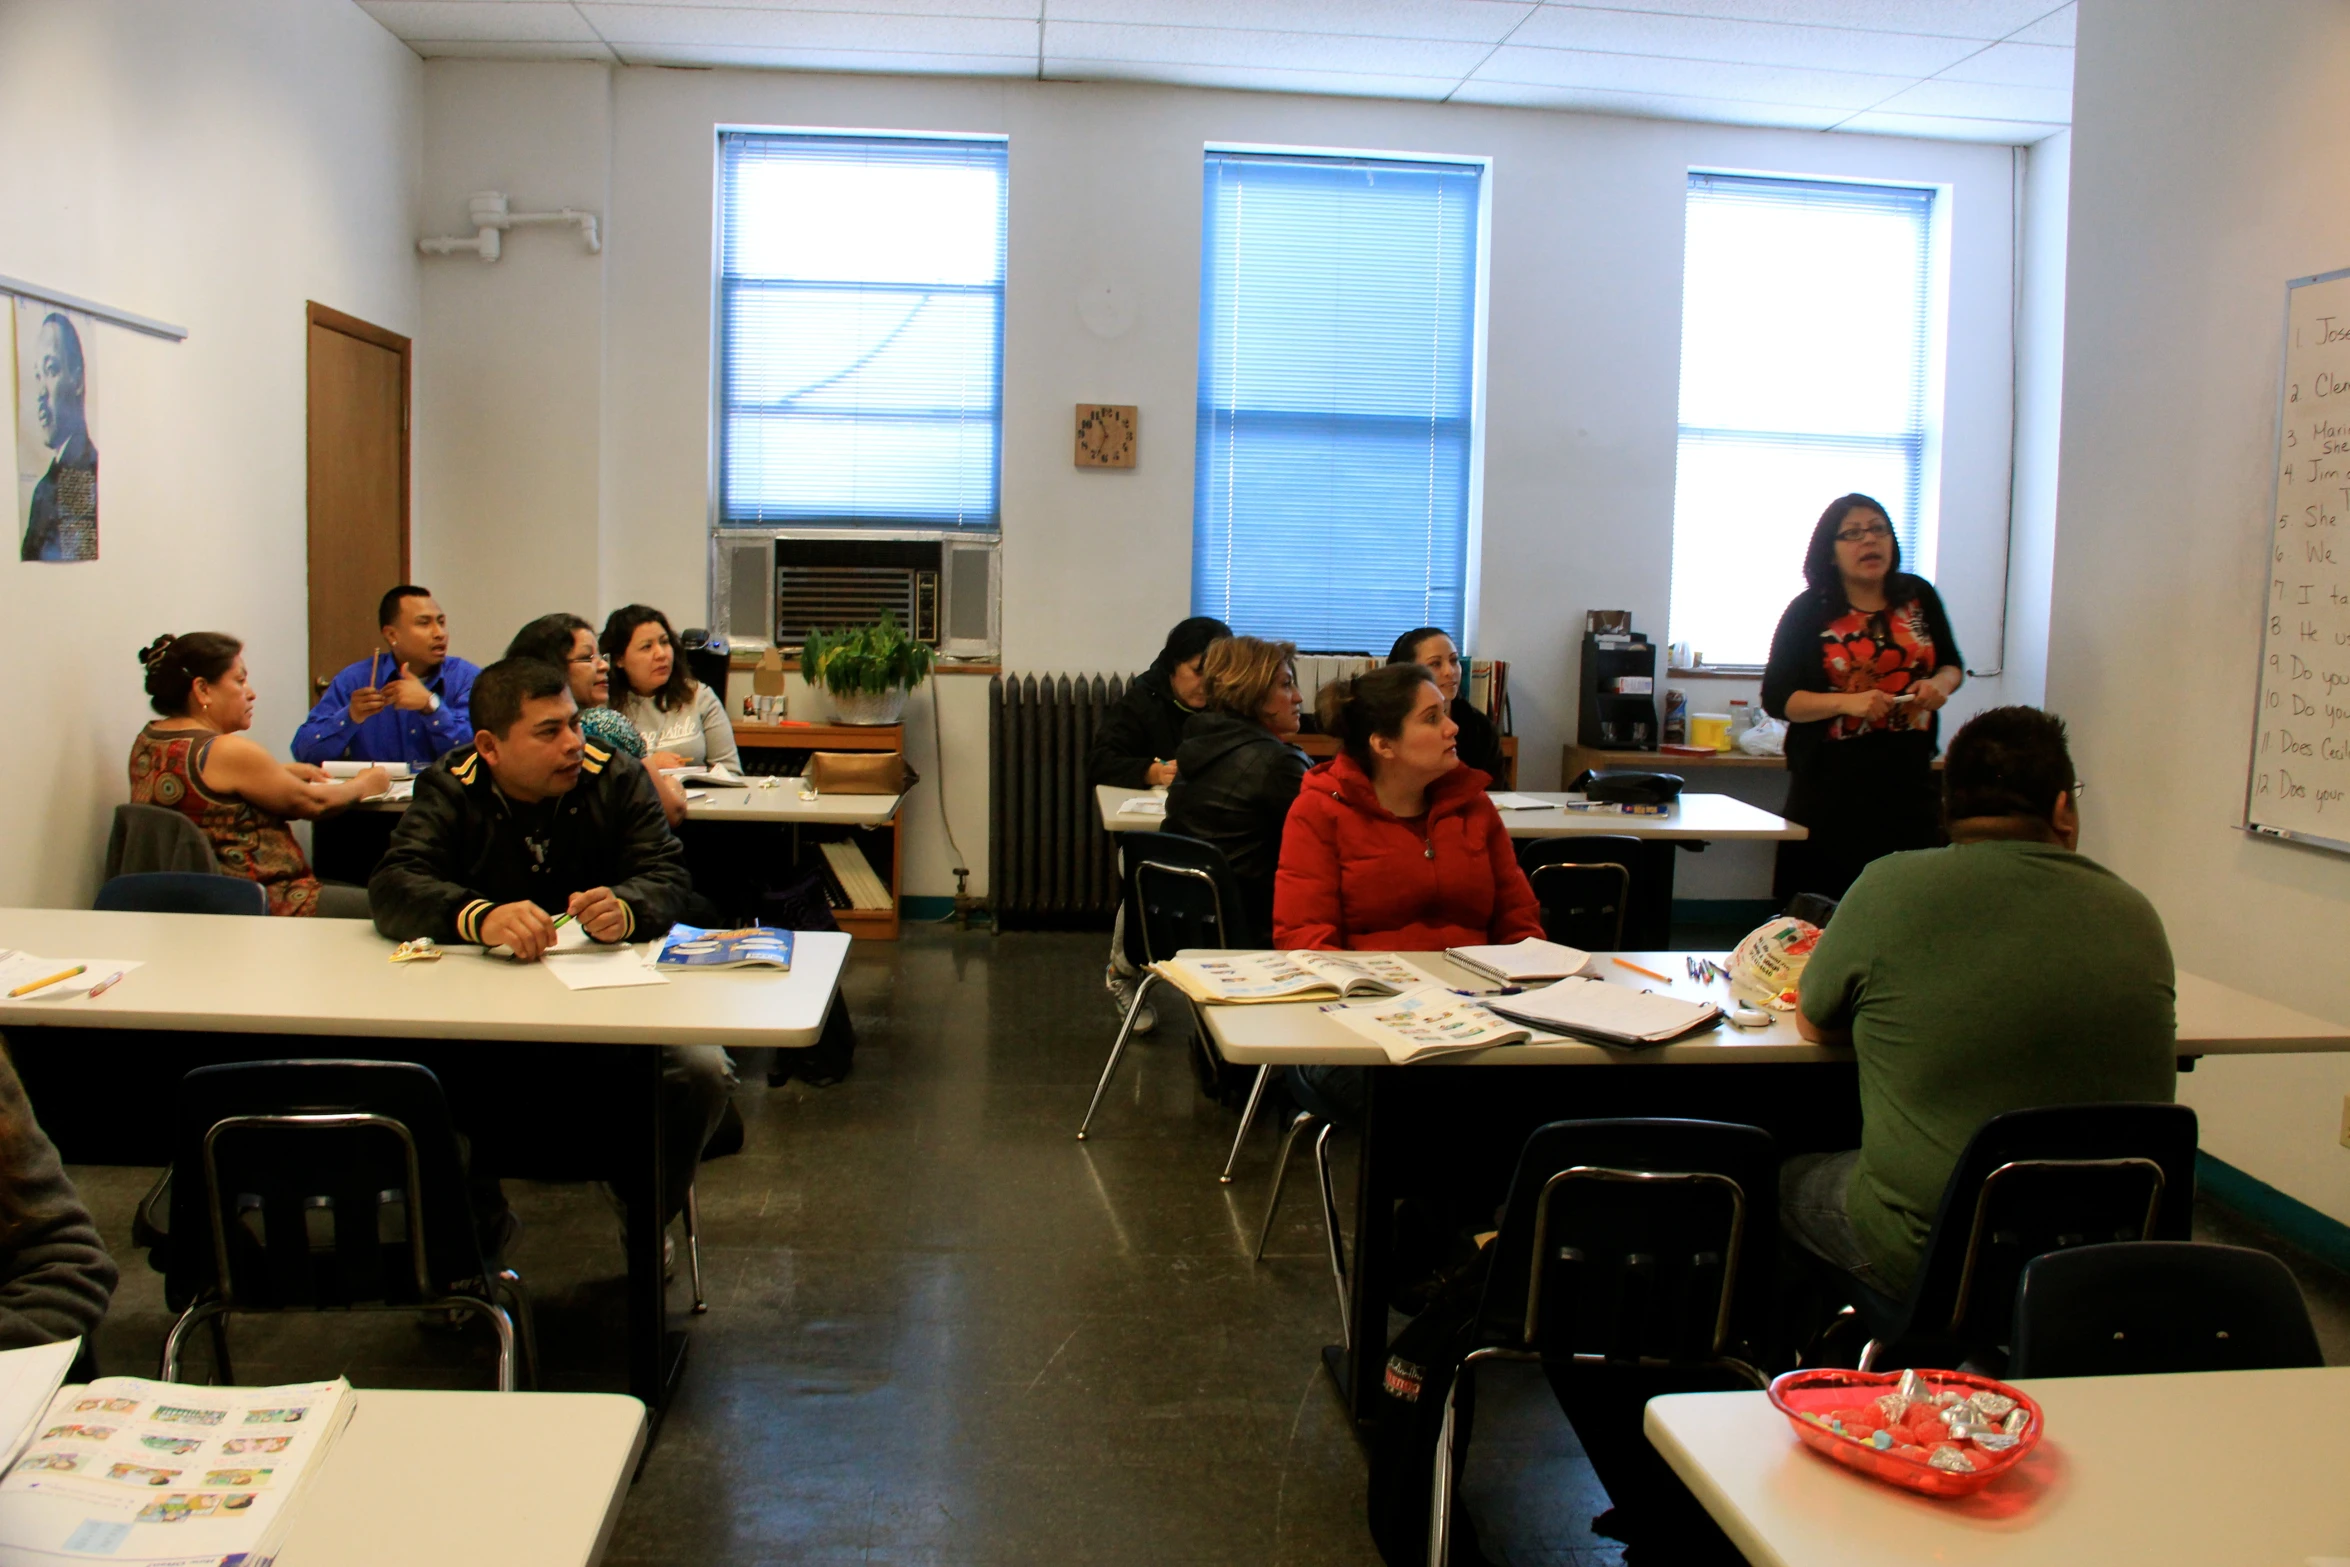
point(1426, 1021)
point(130, 1471)
point(1243, 977)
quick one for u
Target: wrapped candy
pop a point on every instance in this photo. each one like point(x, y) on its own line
point(1995, 1406)
point(1953, 1459)
point(2016, 1421)
point(1996, 1441)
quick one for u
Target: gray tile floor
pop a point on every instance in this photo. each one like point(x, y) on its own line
point(944, 1331)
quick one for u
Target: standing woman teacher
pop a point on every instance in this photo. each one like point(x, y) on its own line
point(1861, 663)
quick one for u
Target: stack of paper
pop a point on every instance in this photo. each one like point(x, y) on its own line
point(1532, 961)
point(1606, 1013)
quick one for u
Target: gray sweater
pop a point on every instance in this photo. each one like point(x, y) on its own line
point(55, 1276)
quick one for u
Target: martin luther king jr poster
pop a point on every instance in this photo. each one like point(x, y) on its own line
point(56, 456)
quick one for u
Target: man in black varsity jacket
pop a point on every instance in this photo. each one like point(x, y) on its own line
point(529, 823)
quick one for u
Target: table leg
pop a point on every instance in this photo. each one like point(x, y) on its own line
point(656, 1356)
point(1361, 1366)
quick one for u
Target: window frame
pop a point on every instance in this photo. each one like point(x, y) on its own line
point(716, 527)
point(1921, 550)
point(1480, 283)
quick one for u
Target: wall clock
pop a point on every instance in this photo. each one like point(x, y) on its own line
point(1106, 435)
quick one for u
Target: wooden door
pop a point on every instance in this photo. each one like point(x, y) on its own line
point(358, 484)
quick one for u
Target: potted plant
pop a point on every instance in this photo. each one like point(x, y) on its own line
point(865, 670)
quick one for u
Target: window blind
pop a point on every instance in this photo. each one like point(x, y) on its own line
point(1806, 373)
point(861, 330)
point(1338, 309)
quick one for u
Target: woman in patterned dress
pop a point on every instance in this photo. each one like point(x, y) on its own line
point(195, 759)
point(1861, 663)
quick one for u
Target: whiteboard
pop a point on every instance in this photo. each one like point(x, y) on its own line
point(2299, 785)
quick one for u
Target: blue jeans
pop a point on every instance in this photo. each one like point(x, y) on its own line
point(1813, 1214)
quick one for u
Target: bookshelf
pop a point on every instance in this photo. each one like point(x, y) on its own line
point(871, 924)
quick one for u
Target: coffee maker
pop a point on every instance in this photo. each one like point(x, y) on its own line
point(1618, 710)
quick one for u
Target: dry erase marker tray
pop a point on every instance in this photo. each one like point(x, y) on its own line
point(1942, 1433)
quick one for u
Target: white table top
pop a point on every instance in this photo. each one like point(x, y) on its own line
point(1712, 817)
point(2196, 1470)
point(215, 973)
point(761, 802)
point(519, 1479)
point(2213, 1020)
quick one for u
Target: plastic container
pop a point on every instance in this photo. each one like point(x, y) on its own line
point(1799, 1393)
point(1711, 730)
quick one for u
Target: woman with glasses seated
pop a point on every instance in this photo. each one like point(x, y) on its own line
point(1861, 664)
point(569, 643)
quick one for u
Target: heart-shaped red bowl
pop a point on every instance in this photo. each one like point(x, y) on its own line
point(1802, 1394)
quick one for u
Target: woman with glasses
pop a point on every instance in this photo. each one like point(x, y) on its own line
point(1861, 663)
point(569, 643)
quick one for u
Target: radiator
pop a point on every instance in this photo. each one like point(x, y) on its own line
point(1050, 863)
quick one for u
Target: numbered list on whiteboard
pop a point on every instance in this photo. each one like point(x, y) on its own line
point(2300, 776)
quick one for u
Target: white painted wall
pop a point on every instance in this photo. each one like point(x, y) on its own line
point(1582, 384)
point(2039, 400)
point(215, 166)
point(2204, 143)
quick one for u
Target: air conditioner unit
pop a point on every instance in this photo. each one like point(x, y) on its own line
point(776, 588)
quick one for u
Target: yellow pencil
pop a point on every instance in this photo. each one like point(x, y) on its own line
point(1637, 969)
point(26, 990)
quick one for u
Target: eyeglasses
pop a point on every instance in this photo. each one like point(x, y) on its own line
point(2079, 789)
point(1874, 530)
point(592, 658)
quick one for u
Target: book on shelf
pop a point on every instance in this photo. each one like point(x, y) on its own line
point(1532, 961)
point(689, 947)
point(1242, 978)
point(125, 1470)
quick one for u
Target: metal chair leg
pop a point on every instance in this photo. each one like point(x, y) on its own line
point(1441, 1482)
point(1297, 1123)
point(1346, 1335)
point(499, 1320)
point(693, 1244)
point(198, 1311)
point(1248, 1118)
point(511, 1294)
point(1869, 1353)
point(1110, 1067)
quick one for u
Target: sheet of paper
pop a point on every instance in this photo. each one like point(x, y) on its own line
point(29, 1379)
point(354, 769)
point(606, 969)
point(1144, 805)
point(1505, 801)
point(22, 968)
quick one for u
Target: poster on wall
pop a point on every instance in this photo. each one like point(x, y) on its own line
point(56, 458)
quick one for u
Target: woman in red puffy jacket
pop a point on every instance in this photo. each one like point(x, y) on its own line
point(1393, 846)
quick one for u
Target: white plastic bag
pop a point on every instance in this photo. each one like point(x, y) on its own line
point(1767, 967)
point(1766, 737)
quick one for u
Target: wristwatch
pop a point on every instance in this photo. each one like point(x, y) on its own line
point(435, 698)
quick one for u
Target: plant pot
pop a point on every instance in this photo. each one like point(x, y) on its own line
point(867, 707)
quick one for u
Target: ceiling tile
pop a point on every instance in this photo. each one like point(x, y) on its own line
point(625, 25)
point(1017, 10)
point(1982, 101)
point(1689, 78)
point(1468, 21)
point(516, 21)
point(1740, 42)
point(499, 49)
point(2016, 65)
point(2005, 133)
point(1254, 50)
point(2055, 28)
point(1654, 106)
point(884, 62)
point(1984, 19)
point(1240, 78)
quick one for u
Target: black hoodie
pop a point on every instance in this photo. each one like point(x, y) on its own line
point(1234, 784)
point(1143, 726)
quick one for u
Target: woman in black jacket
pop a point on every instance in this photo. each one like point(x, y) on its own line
point(1238, 771)
point(1432, 648)
point(1862, 661)
point(1135, 746)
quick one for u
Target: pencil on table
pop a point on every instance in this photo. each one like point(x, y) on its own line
point(1637, 969)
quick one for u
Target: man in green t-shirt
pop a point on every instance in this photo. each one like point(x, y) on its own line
point(2004, 972)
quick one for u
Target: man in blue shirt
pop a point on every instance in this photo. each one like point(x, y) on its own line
point(408, 703)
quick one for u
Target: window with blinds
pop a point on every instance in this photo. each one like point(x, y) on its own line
point(861, 330)
point(1808, 371)
point(1337, 391)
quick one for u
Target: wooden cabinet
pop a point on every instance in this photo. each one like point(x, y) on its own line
point(874, 924)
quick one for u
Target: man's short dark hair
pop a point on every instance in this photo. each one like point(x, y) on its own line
point(500, 691)
point(2007, 761)
point(389, 610)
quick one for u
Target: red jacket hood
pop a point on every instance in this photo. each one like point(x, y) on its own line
point(1343, 779)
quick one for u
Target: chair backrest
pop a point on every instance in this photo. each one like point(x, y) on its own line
point(1637, 1242)
point(1813, 908)
point(316, 1184)
point(151, 838)
point(181, 892)
point(1583, 905)
point(2150, 1306)
point(2044, 1180)
point(1180, 893)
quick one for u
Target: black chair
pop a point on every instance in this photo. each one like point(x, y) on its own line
point(1813, 908)
point(2030, 1182)
point(2143, 1306)
point(325, 1186)
point(1635, 1258)
point(1317, 1115)
point(153, 838)
point(1179, 893)
point(181, 892)
point(1585, 886)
